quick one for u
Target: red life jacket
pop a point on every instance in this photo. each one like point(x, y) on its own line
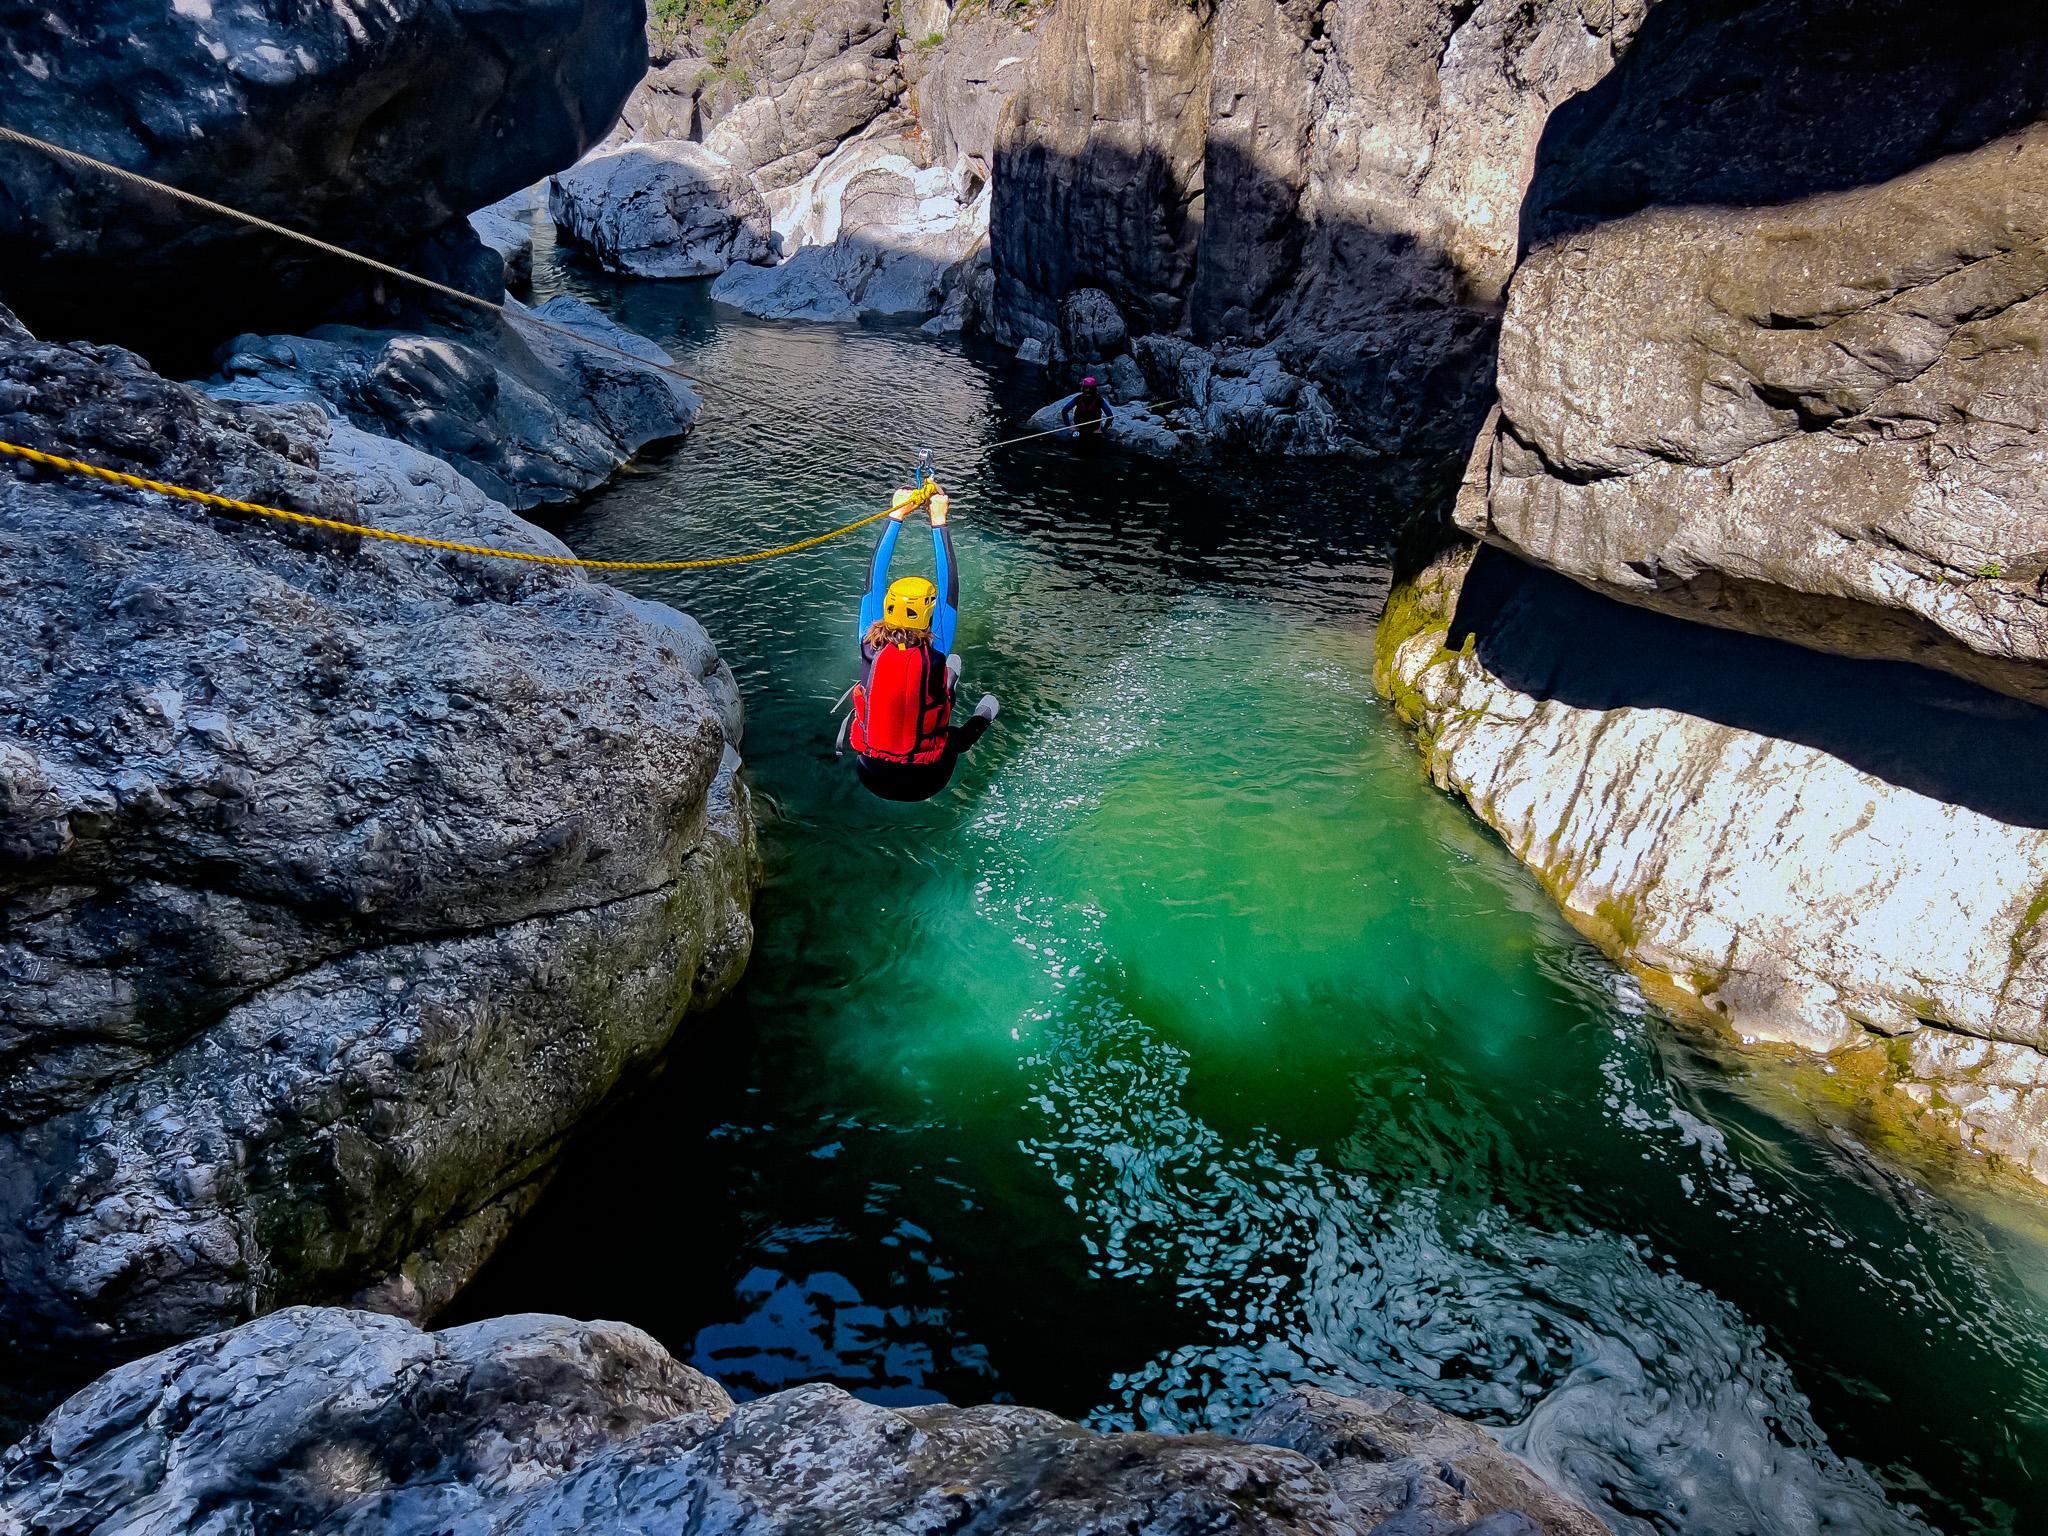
point(902, 706)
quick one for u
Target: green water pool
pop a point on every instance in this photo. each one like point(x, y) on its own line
point(1191, 1044)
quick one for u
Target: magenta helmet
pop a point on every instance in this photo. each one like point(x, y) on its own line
point(1089, 382)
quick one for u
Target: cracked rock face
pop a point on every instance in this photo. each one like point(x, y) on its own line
point(334, 1421)
point(1333, 188)
point(668, 209)
point(371, 125)
point(819, 71)
point(1823, 422)
point(338, 880)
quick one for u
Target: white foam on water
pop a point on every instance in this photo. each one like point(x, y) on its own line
point(1639, 1390)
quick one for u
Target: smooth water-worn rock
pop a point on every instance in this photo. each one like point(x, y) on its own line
point(339, 1421)
point(510, 239)
point(341, 880)
point(531, 417)
point(1826, 421)
point(670, 209)
point(373, 126)
point(874, 230)
point(1336, 190)
point(1846, 857)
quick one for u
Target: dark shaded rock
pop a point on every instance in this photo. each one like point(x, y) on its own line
point(1326, 192)
point(373, 126)
point(1754, 102)
point(338, 880)
point(343, 1421)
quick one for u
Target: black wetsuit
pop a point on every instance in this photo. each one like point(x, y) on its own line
point(920, 781)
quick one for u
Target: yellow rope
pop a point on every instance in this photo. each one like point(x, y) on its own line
point(206, 498)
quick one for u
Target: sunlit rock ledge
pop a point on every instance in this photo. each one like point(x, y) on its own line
point(1847, 858)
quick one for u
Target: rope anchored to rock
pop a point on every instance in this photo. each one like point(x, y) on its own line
point(56, 461)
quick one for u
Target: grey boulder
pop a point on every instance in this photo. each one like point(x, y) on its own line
point(669, 209)
point(533, 418)
point(337, 1421)
point(1826, 422)
point(339, 881)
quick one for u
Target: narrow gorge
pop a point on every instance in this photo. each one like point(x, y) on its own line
point(1491, 976)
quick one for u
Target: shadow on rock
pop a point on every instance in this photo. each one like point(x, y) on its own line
point(1549, 638)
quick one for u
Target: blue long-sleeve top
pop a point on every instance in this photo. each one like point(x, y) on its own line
point(947, 616)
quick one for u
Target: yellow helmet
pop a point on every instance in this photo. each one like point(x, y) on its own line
point(909, 603)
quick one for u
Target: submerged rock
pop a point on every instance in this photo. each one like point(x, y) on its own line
point(345, 1421)
point(672, 209)
point(532, 418)
point(374, 126)
point(339, 881)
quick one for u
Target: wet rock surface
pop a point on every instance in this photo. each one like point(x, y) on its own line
point(330, 1420)
point(373, 126)
point(340, 880)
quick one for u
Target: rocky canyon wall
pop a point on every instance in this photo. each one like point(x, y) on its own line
point(1771, 397)
point(339, 882)
point(1324, 199)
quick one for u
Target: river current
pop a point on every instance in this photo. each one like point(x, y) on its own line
point(1191, 1044)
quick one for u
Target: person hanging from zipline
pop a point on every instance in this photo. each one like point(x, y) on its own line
point(904, 742)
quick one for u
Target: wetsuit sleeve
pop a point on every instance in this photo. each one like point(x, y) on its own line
point(1107, 413)
point(1067, 412)
point(871, 599)
point(948, 584)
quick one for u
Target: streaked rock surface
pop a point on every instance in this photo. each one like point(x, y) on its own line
point(337, 1421)
point(339, 881)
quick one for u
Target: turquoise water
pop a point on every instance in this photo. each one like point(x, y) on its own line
point(1191, 1044)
